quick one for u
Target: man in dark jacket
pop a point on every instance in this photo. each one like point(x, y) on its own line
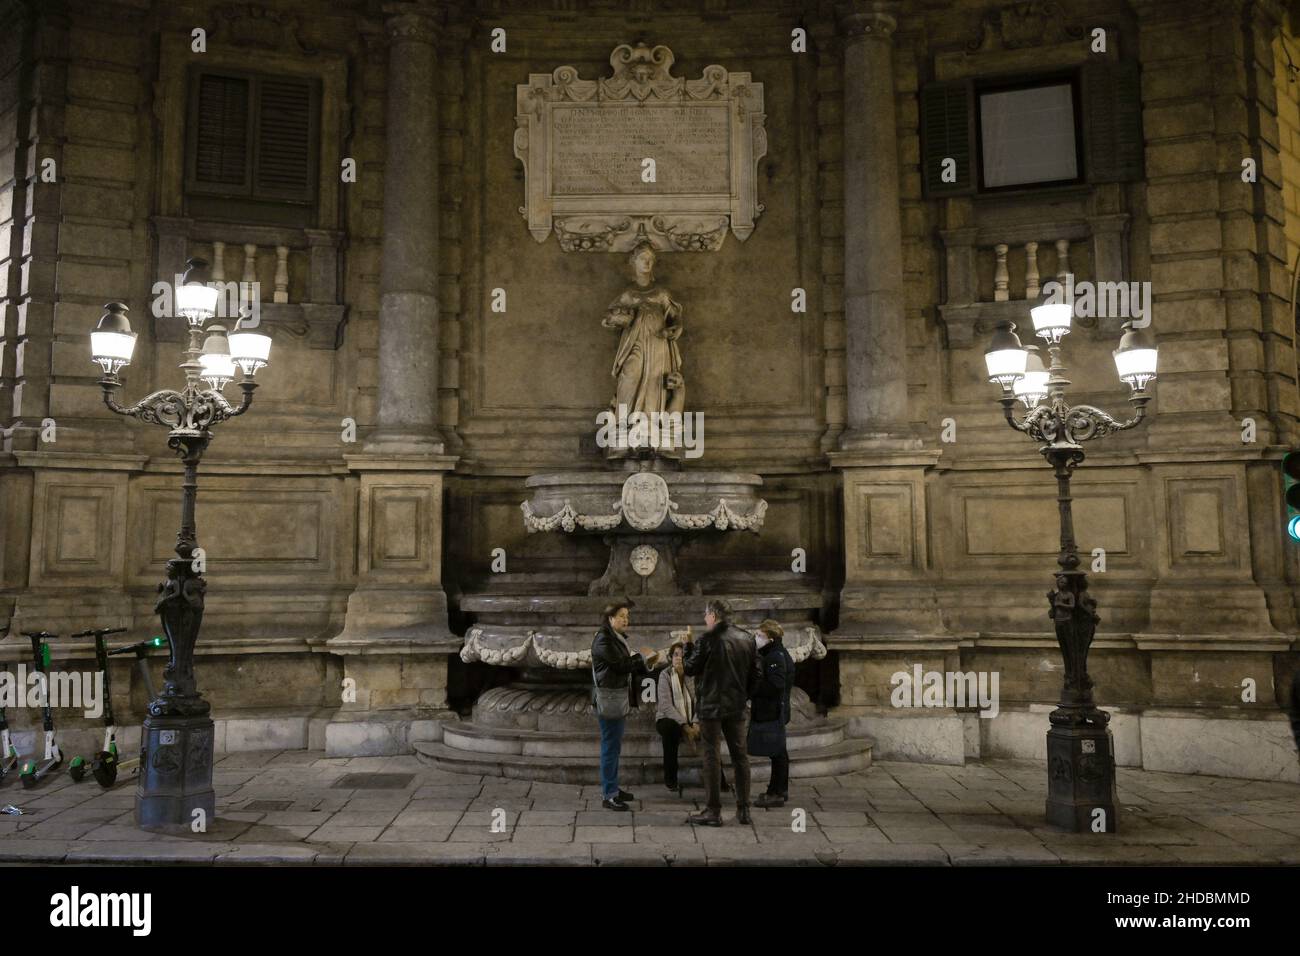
point(614, 665)
point(725, 665)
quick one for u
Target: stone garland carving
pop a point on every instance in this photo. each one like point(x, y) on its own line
point(561, 660)
point(811, 646)
point(568, 520)
point(722, 517)
point(473, 650)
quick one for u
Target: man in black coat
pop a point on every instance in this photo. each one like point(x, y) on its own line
point(725, 665)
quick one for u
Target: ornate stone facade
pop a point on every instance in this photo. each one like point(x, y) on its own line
point(353, 523)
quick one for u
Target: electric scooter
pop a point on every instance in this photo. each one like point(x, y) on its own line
point(32, 772)
point(8, 753)
point(107, 763)
point(77, 768)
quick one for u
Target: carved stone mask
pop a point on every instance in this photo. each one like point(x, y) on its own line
point(644, 560)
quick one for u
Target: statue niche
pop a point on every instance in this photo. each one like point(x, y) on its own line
point(650, 392)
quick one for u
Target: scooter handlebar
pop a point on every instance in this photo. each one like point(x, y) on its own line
point(38, 635)
point(135, 648)
point(100, 632)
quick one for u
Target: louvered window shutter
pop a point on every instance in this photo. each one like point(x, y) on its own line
point(1112, 107)
point(221, 135)
point(286, 117)
point(947, 132)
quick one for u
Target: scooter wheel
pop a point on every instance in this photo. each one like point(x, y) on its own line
point(104, 767)
point(29, 780)
point(78, 770)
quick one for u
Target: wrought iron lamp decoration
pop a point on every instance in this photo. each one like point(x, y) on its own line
point(177, 779)
point(1081, 766)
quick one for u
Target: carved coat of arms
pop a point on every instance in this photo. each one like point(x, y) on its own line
point(645, 501)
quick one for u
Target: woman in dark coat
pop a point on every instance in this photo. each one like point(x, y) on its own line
point(613, 666)
point(770, 711)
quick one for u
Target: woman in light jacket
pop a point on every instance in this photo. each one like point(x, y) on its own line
point(675, 716)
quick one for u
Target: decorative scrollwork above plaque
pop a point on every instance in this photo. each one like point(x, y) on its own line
point(640, 155)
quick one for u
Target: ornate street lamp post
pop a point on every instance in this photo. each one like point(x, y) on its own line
point(1080, 749)
point(176, 772)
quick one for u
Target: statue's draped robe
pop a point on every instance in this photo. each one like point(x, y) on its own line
point(645, 356)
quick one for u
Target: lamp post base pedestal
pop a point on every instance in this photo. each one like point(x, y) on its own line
point(1081, 779)
point(176, 773)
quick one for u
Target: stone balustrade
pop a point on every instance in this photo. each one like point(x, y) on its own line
point(1032, 284)
point(998, 255)
point(303, 296)
point(250, 261)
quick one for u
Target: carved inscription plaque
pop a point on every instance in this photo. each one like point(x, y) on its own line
point(640, 155)
point(602, 150)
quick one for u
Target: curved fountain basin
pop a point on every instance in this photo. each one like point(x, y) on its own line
point(556, 632)
point(598, 495)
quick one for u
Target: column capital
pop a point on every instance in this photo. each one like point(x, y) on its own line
point(874, 19)
point(407, 21)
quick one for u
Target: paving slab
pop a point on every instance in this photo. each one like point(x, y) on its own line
point(984, 814)
point(267, 853)
point(1026, 855)
point(890, 854)
point(332, 834)
point(541, 835)
point(415, 834)
point(516, 854)
point(627, 854)
point(424, 854)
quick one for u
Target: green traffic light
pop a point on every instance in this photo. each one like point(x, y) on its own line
point(1291, 493)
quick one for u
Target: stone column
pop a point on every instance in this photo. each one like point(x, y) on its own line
point(396, 642)
point(873, 246)
point(408, 309)
point(889, 615)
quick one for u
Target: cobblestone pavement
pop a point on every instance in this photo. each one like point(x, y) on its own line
point(286, 807)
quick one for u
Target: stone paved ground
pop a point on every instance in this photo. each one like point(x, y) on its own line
point(282, 807)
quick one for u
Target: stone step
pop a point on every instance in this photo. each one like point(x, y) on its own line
point(501, 740)
point(846, 756)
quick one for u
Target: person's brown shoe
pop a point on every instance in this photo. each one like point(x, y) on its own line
point(709, 818)
point(742, 815)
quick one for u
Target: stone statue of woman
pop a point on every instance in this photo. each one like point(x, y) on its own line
point(648, 364)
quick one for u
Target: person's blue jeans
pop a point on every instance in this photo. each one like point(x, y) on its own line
point(611, 745)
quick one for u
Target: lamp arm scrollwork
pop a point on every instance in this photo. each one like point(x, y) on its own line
point(1041, 423)
point(1086, 422)
point(247, 385)
point(163, 407)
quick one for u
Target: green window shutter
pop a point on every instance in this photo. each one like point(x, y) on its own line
point(286, 135)
point(220, 134)
point(1112, 113)
point(947, 132)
